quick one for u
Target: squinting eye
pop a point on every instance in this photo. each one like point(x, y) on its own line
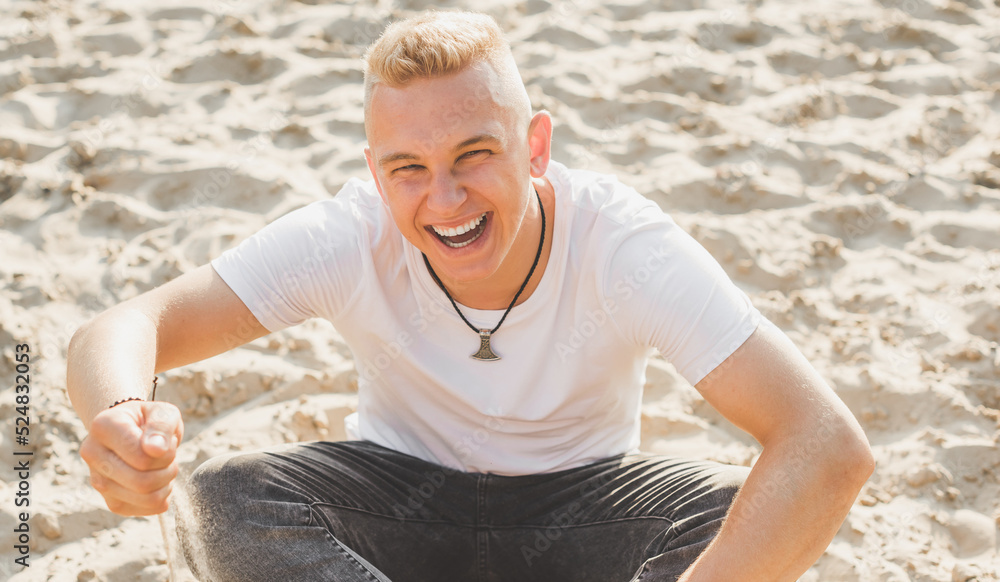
point(475, 153)
point(410, 167)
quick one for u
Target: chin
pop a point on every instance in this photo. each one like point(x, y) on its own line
point(466, 273)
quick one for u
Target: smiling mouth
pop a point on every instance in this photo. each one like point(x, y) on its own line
point(461, 236)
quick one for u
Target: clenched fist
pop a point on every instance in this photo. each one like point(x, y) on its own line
point(131, 451)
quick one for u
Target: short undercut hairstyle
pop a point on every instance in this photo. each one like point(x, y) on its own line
point(436, 44)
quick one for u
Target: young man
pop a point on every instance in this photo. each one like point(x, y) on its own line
point(518, 463)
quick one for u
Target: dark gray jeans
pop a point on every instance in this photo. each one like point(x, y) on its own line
point(355, 511)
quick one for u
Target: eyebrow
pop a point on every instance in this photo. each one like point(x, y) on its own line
point(482, 137)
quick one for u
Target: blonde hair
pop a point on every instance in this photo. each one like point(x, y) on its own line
point(435, 44)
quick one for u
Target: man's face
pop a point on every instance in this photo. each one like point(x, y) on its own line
point(452, 160)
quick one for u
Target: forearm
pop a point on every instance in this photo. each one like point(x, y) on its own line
point(110, 358)
point(788, 511)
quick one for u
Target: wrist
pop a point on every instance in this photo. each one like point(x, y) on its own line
point(136, 398)
point(124, 400)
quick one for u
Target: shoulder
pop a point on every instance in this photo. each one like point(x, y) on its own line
point(604, 198)
point(356, 200)
point(355, 208)
point(609, 216)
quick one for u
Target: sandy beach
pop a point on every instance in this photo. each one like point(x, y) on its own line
point(840, 159)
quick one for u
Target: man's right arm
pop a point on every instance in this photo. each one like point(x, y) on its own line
point(131, 447)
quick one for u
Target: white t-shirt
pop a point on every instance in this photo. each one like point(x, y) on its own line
point(622, 279)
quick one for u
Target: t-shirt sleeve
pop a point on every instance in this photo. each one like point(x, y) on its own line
point(305, 264)
point(666, 291)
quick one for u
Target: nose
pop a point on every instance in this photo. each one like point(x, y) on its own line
point(445, 195)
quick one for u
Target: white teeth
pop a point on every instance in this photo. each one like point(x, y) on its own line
point(461, 229)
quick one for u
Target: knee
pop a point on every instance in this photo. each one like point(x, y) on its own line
point(213, 509)
point(224, 481)
point(224, 494)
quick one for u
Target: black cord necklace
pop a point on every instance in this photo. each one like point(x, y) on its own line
point(485, 352)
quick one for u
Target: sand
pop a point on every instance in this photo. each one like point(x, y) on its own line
point(841, 160)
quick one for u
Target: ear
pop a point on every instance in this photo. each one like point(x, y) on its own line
point(371, 168)
point(539, 143)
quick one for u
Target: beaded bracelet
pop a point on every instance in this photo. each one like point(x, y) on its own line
point(124, 400)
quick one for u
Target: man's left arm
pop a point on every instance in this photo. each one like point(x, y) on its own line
point(814, 462)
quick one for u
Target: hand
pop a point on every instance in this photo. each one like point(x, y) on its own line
point(131, 452)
